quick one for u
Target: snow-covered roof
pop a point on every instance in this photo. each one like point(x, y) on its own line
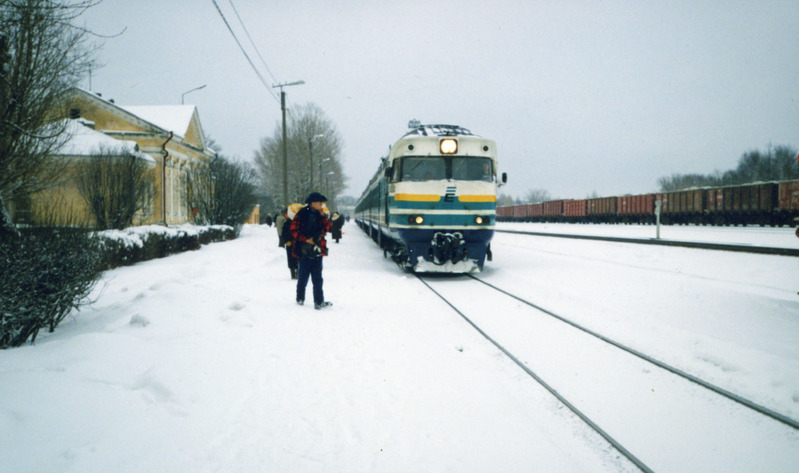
point(437, 130)
point(174, 118)
point(84, 141)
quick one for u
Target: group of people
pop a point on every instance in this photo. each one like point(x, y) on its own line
point(303, 233)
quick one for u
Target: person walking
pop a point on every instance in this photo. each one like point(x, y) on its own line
point(337, 221)
point(283, 225)
point(308, 230)
point(280, 219)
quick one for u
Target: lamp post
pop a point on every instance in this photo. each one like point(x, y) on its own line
point(285, 149)
point(328, 189)
point(310, 149)
point(188, 91)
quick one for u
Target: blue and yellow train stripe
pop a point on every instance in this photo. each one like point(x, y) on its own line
point(448, 211)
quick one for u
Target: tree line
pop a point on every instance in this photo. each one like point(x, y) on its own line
point(775, 164)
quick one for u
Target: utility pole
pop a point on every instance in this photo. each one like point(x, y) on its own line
point(285, 148)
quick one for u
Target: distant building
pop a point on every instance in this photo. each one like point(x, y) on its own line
point(168, 137)
point(255, 215)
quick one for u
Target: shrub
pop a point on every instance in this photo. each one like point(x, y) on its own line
point(136, 244)
point(46, 273)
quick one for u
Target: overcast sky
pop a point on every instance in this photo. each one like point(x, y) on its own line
point(581, 97)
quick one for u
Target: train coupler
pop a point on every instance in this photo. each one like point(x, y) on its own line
point(447, 247)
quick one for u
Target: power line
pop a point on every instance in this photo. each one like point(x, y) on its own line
point(263, 81)
point(252, 43)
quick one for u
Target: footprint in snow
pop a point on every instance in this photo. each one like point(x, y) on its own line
point(139, 320)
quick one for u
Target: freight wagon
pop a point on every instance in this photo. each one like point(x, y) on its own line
point(762, 203)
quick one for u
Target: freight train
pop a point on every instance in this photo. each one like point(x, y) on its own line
point(431, 205)
point(762, 203)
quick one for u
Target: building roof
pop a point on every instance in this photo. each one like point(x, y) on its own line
point(85, 141)
point(175, 118)
point(436, 130)
point(181, 120)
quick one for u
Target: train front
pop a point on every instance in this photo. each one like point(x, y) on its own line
point(442, 198)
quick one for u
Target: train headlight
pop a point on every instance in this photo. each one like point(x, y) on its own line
point(449, 146)
point(478, 220)
point(416, 219)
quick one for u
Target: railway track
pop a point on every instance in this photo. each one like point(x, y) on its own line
point(614, 388)
point(766, 250)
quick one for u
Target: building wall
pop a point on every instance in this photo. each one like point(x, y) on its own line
point(170, 203)
point(255, 215)
point(63, 204)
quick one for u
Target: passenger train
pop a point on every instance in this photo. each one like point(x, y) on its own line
point(431, 205)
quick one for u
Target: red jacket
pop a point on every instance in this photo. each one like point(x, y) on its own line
point(308, 224)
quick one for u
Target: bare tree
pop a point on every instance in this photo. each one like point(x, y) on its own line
point(200, 192)
point(503, 200)
point(684, 181)
point(233, 192)
point(115, 186)
point(42, 55)
point(776, 164)
point(314, 156)
point(535, 196)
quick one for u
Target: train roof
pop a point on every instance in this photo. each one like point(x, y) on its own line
point(437, 130)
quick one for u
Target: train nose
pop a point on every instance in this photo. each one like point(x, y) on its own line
point(447, 247)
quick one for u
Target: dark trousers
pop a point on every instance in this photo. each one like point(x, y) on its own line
point(310, 267)
point(292, 261)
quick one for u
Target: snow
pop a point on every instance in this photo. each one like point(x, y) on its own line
point(202, 362)
point(84, 141)
point(135, 236)
point(175, 118)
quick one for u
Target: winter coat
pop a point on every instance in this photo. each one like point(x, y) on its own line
point(335, 229)
point(285, 235)
point(279, 221)
point(308, 224)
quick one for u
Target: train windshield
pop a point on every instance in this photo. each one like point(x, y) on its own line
point(436, 168)
point(472, 169)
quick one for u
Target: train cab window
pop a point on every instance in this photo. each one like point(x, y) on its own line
point(472, 169)
point(423, 169)
point(396, 171)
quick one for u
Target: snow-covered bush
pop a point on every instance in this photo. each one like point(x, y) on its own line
point(46, 272)
point(135, 244)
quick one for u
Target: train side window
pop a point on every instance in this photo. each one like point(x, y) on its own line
point(396, 170)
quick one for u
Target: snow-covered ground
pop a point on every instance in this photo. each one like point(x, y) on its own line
point(784, 237)
point(202, 361)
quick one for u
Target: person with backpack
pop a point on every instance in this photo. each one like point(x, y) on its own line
point(308, 230)
point(283, 225)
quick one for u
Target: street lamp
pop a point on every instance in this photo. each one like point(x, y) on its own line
point(192, 90)
point(285, 149)
point(310, 149)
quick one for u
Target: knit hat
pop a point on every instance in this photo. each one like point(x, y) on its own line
point(315, 197)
